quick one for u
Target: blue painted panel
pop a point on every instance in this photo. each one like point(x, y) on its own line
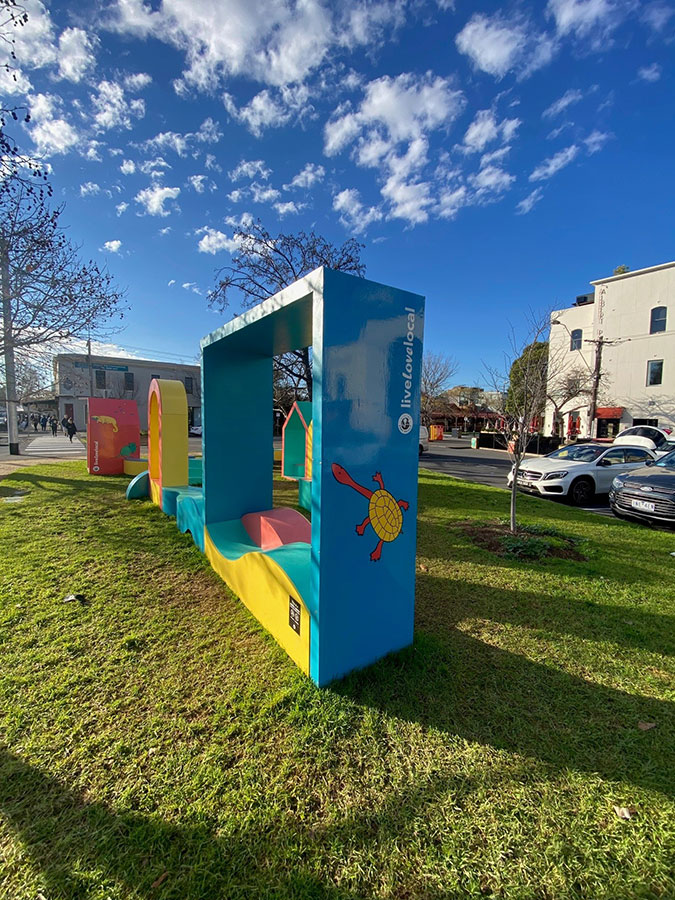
point(237, 429)
point(367, 413)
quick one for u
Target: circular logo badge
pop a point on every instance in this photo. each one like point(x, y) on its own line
point(405, 423)
point(95, 468)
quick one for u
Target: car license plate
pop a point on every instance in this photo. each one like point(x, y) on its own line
point(642, 504)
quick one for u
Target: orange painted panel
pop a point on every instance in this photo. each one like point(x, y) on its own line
point(113, 435)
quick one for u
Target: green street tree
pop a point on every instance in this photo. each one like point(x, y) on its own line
point(264, 264)
point(521, 389)
point(49, 295)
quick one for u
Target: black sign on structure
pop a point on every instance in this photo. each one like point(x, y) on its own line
point(294, 614)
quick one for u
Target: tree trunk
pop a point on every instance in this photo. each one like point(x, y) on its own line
point(10, 368)
point(514, 496)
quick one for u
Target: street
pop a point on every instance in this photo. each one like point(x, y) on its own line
point(455, 457)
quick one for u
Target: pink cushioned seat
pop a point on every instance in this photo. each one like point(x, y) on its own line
point(276, 527)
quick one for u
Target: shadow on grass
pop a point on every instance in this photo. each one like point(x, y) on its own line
point(80, 847)
point(457, 684)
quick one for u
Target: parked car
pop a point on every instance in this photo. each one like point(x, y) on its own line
point(195, 431)
point(645, 436)
point(647, 493)
point(579, 471)
point(424, 439)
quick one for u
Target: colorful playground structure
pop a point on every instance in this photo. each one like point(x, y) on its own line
point(334, 599)
point(113, 435)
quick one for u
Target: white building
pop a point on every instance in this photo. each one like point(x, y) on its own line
point(619, 342)
point(77, 376)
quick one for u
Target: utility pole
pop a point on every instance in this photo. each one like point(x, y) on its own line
point(8, 339)
point(91, 372)
point(595, 383)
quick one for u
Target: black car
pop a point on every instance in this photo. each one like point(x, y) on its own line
point(647, 493)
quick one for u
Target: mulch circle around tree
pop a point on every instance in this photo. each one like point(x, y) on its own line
point(528, 542)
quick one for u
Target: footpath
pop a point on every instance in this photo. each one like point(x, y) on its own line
point(39, 449)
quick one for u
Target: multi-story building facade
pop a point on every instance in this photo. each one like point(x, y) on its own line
point(78, 376)
point(616, 348)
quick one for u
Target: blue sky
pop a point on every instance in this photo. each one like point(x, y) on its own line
point(494, 157)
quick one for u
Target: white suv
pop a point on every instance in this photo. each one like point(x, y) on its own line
point(579, 471)
point(424, 439)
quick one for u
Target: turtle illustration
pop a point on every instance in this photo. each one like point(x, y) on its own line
point(384, 512)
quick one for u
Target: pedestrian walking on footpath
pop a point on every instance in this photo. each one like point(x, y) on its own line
point(71, 429)
point(64, 425)
point(55, 425)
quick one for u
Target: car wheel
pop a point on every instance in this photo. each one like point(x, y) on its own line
point(581, 492)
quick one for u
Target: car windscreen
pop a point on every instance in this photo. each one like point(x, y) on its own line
point(667, 461)
point(578, 453)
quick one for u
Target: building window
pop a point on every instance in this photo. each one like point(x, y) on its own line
point(654, 372)
point(100, 379)
point(575, 339)
point(188, 384)
point(128, 381)
point(653, 422)
point(657, 321)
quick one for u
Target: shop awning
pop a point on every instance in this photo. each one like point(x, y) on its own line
point(609, 412)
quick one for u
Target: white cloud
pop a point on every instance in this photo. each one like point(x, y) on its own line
point(263, 194)
point(561, 104)
point(171, 282)
point(89, 189)
point(237, 195)
point(121, 208)
point(76, 53)
point(197, 182)
point(485, 128)
point(274, 43)
point(112, 246)
point(270, 109)
point(307, 177)
point(353, 214)
point(208, 132)
point(164, 231)
point(154, 167)
point(596, 140)
point(450, 201)
point(556, 132)
point(137, 82)
point(51, 133)
point(657, 15)
point(527, 203)
point(491, 180)
point(650, 73)
point(214, 241)
point(496, 156)
point(191, 286)
point(13, 82)
point(583, 18)
point(249, 168)
point(152, 199)
point(112, 109)
point(128, 167)
point(288, 208)
point(211, 163)
point(168, 140)
point(554, 164)
point(401, 108)
point(34, 43)
point(497, 45)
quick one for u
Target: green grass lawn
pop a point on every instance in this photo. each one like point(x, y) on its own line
point(156, 743)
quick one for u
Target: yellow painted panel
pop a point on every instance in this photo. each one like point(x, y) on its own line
point(264, 588)
point(308, 452)
point(155, 492)
point(135, 466)
point(277, 455)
